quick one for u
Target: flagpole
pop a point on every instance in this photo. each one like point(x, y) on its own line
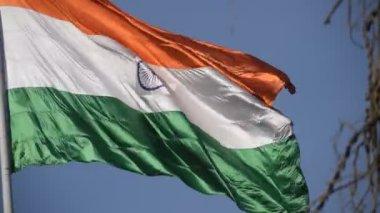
point(4, 139)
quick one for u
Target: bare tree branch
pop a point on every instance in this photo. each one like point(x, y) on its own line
point(364, 144)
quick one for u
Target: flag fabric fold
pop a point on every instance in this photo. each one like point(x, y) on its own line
point(90, 83)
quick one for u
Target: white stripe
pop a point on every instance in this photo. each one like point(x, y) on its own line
point(224, 110)
point(45, 52)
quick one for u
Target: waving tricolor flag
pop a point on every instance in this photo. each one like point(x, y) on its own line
point(87, 82)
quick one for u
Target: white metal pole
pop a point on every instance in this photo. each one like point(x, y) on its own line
point(4, 139)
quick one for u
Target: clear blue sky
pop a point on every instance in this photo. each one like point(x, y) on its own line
point(326, 67)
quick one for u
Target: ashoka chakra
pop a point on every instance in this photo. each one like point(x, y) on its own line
point(147, 79)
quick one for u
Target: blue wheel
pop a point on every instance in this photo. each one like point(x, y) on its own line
point(147, 79)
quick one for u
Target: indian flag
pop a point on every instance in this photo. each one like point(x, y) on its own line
point(87, 82)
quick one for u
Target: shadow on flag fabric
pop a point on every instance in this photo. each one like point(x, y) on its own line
point(89, 83)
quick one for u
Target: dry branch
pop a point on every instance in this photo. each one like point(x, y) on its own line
point(366, 139)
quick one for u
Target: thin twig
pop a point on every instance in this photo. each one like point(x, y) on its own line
point(332, 11)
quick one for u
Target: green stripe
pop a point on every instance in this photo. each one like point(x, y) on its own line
point(51, 127)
